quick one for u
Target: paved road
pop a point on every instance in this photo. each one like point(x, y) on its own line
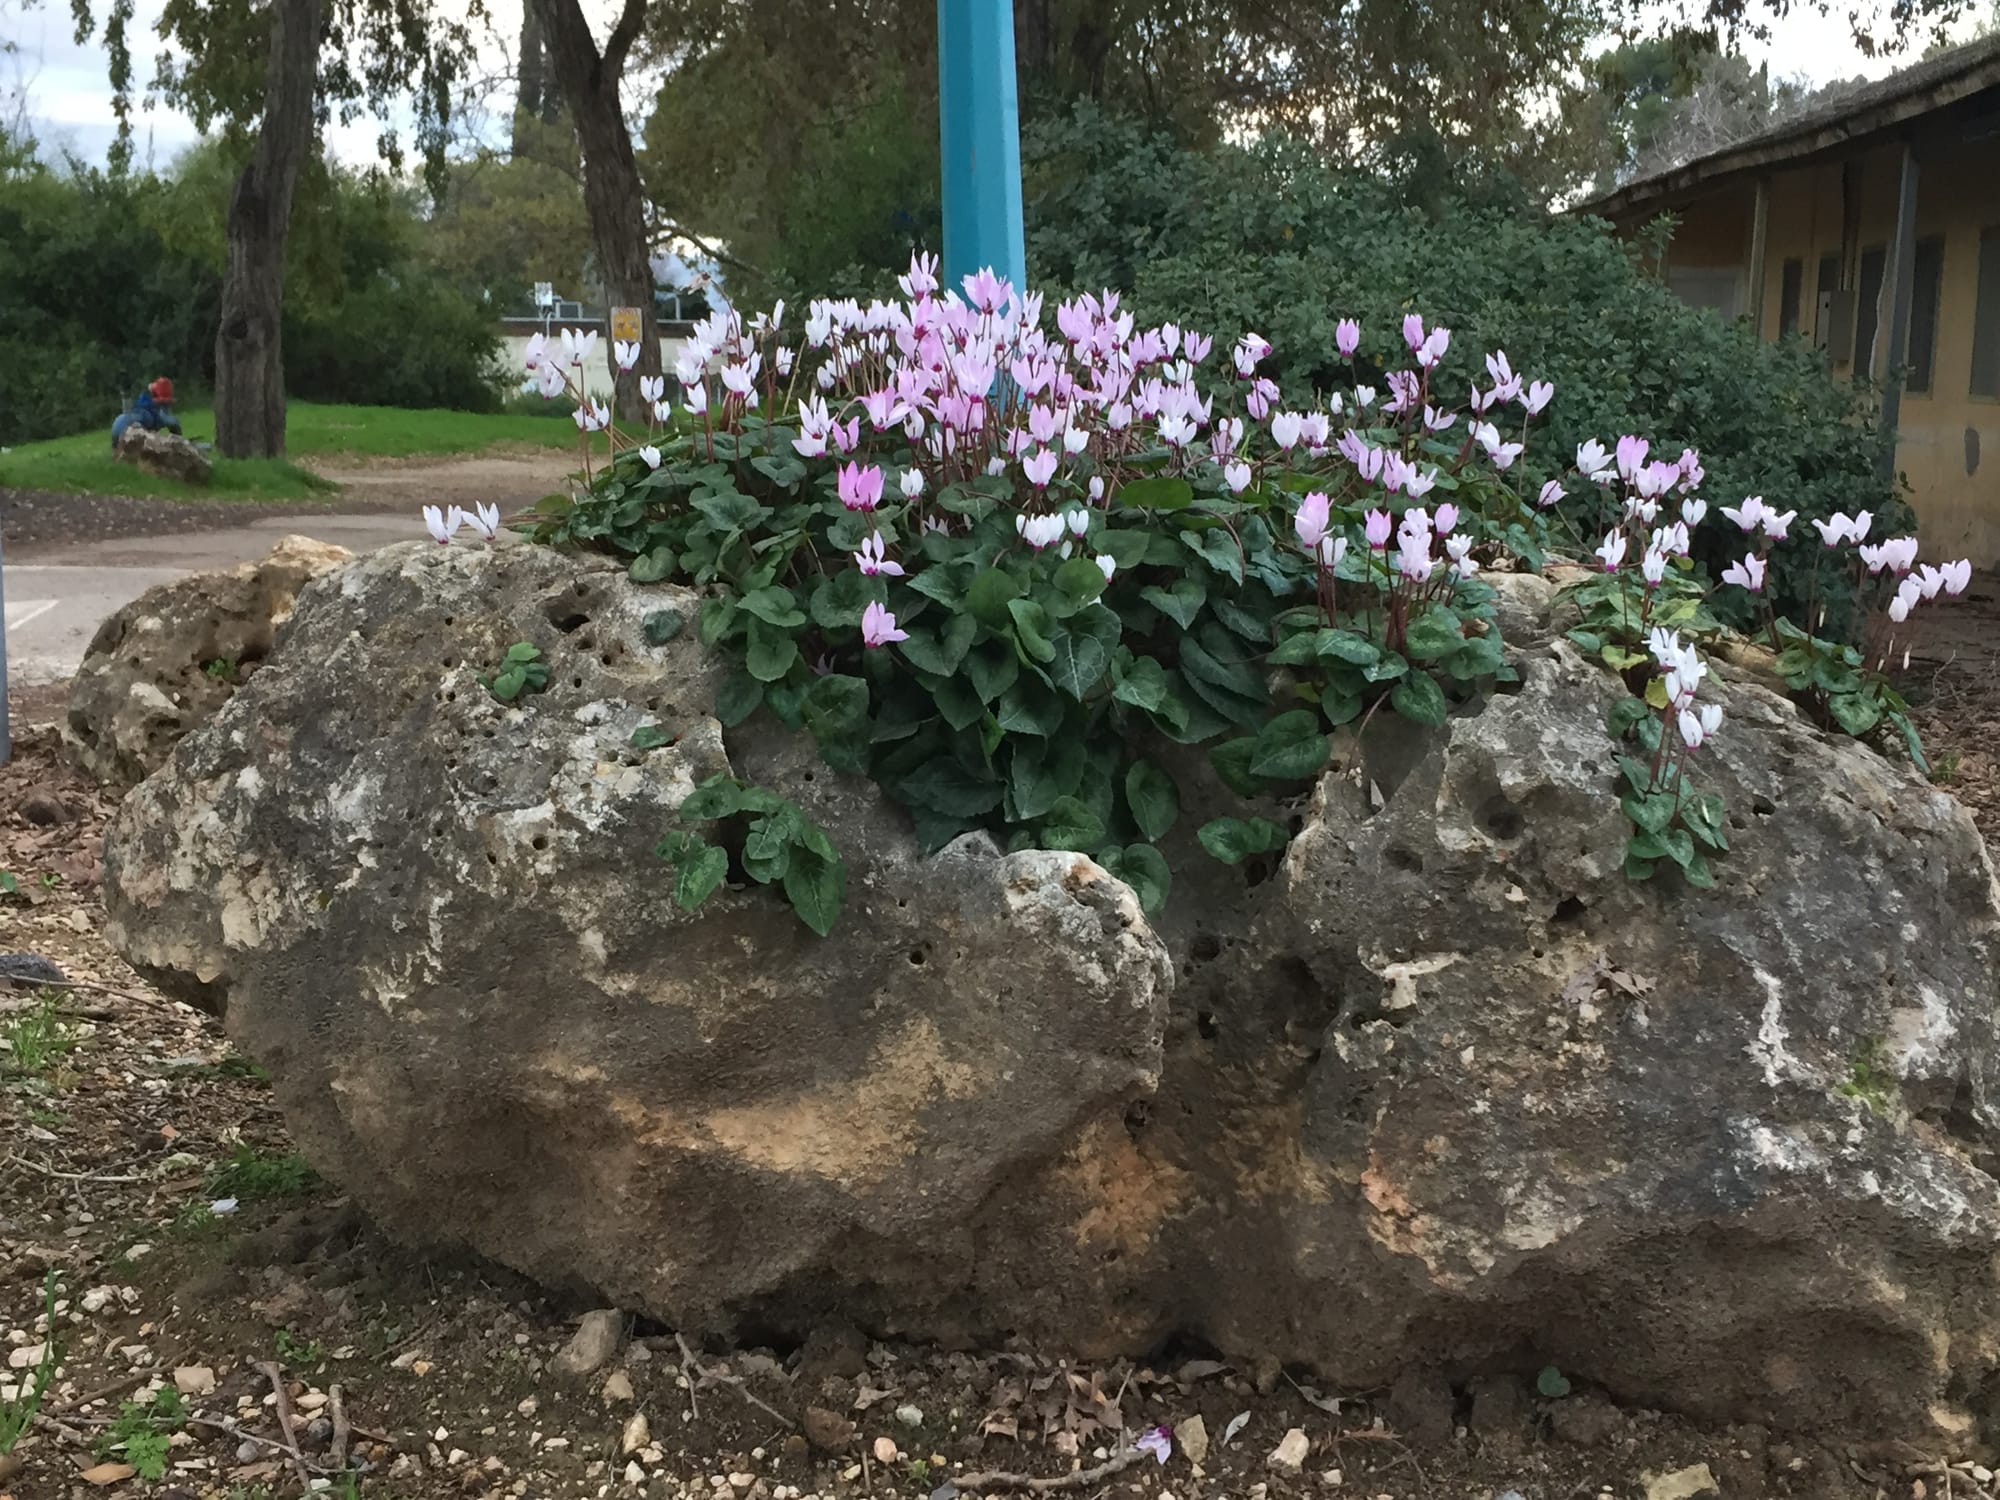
point(55, 603)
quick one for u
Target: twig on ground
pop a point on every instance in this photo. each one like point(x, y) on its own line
point(62, 1430)
point(95, 988)
point(116, 1388)
point(1080, 1479)
point(276, 1376)
point(336, 1408)
point(35, 1166)
point(242, 1434)
point(691, 1372)
point(722, 1377)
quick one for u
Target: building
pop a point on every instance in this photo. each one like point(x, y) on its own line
point(519, 329)
point(1870, 225)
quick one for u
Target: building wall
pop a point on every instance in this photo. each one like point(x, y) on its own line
point(1948, 445)
point(597, 379)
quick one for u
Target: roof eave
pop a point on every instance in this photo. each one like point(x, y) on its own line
point(1801, 144)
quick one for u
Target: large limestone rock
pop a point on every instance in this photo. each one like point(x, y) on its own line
point(165, 662)
point(167, 455)
point(1436, 1089)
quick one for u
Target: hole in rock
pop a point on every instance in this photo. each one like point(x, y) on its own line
point(1763, 807)
point(1400, 858)
point(1204, 1024)
point(1569, 909)
point(917, 957)
point(541, 841)
point(1206, 946)
point(1504, 819)
point(1137, 1114)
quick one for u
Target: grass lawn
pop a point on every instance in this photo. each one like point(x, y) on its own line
point(84, 462)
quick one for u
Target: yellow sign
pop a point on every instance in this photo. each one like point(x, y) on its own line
point(626, 325)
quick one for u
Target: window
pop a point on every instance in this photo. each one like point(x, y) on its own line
point(1788, 297)
point(1826, 293)
point(1873, 263)
point(1929, 264)
point(1986, 318)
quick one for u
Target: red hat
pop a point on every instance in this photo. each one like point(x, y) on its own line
point(162, 389)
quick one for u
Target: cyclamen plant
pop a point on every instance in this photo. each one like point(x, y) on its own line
point(1002, 571)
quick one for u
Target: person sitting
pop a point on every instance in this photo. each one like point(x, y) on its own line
point(152, 409)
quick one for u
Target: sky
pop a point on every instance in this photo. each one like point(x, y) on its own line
point(69, 98)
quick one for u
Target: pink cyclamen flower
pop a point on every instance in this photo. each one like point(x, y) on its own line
point(1347, 337)
point(1106, 564)
point(1697, 725)
point(1631, 454)
point(1376, 525)
point(878, 627)
point(1611, 551)
point(1433, 348)
point(1310, 522)
point(871, 561)
point(1331, 550)
point(1237, 477)
point(1551, 493)
point(443, 525)
point(1834, 530)
point(650, 456)
point(536, 352)
point(1285, 429)
point(1040, 467)
point(1540, 393)
point(1899, 608)
point(1748, 573)
point(1445, 519)
point(1158, 1441)
point(626, 355)
point(1749, 515)
point(695, 398)
point(1692, 510)
point(1653, 567)
point(912, 483)
point(1957, 575)
point(1196, 346)
point(1413, 331)
point(484, 519)
point(860, 489)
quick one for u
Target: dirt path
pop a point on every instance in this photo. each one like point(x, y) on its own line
point(38, 523)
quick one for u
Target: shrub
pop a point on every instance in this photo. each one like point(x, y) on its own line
point(410, 340)
point(1269, 237)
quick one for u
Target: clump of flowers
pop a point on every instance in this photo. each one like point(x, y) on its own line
point(983, 550)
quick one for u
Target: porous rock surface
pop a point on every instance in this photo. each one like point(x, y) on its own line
point(165, 662)
point(165, 454)
point(1435, 1090)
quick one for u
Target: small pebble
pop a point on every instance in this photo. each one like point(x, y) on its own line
point(910, 1416)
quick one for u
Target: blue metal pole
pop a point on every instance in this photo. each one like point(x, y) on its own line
point(979, 120)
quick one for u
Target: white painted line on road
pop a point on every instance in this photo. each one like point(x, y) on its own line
point(21, 611)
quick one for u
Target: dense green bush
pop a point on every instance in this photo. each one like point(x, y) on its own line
point(107, 281)
point(92, 303)
point(1269, 237)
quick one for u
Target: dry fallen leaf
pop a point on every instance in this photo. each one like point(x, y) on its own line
point(1236, 1424)
point(105, 1474)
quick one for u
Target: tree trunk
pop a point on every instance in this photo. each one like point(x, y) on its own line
point(249, 351)
point(612, 196)
point(535, 98)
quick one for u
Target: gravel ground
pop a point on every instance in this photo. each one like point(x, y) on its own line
point(201, 1270)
